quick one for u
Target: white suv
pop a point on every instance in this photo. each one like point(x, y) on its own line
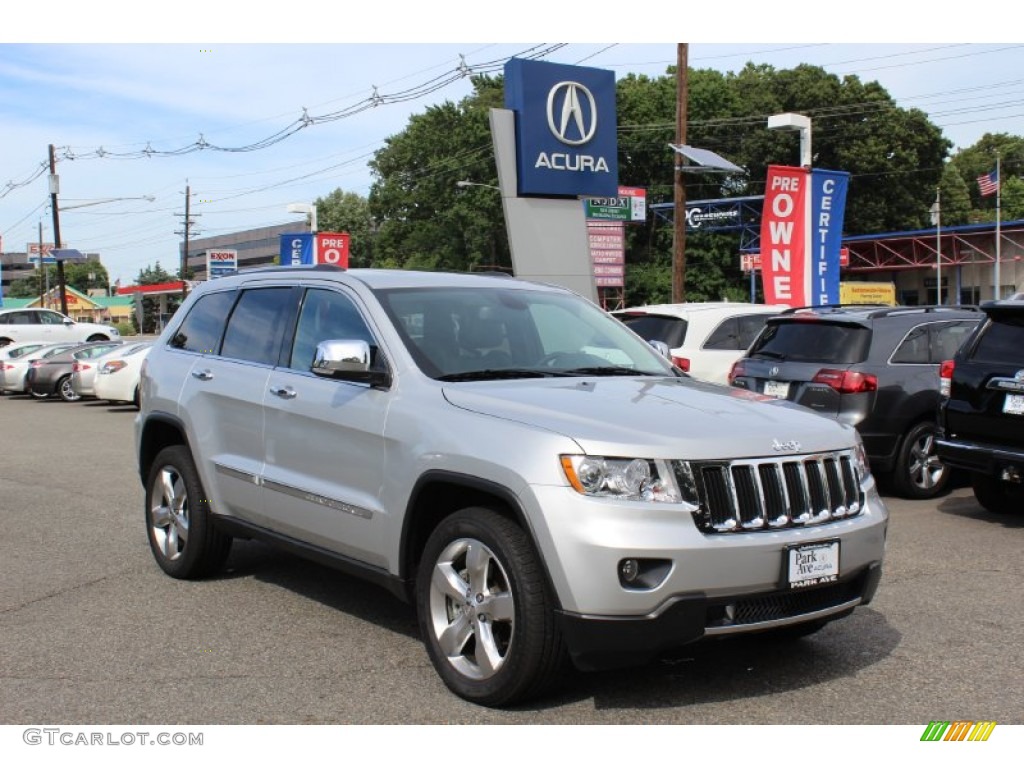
point(704, 338)
point(46, 325)
point(532, 476)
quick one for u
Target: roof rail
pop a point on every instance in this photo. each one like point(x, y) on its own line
point(883, 310)
point(302, 267)
point(792, 310)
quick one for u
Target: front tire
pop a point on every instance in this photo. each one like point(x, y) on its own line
point(919, 473)
point(484, 609)
point(182, 536)
point(996, 495)
point(97, 337)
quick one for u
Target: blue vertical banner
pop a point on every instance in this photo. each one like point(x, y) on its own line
point(828, 204)
point(297, 249)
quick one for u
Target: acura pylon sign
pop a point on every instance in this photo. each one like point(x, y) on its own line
point(565, 128)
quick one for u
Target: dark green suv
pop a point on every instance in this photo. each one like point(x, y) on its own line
point(981, 414)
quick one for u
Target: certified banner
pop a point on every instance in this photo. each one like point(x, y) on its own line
point(785, 237)
point(828, 203)
point(296, 249)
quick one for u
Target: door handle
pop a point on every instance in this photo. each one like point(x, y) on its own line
point(203, 375)
point(285, 392)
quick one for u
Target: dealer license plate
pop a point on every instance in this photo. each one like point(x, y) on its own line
point(1014, 404)
point(813, 564)
point(776, 389)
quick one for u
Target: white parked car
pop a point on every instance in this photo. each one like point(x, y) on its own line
point(83, 372)
point(117, 377)
point(704, 338)
point(9, 356)
point(13, 369)
point(50, 327)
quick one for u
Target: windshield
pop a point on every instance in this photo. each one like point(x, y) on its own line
point(464, 334)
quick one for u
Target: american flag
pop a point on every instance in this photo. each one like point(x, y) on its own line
point(988, 183)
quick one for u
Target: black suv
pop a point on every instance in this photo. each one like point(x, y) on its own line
point(981, 415)
point(872, 367)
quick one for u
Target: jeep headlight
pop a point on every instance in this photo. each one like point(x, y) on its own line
point(621, 478)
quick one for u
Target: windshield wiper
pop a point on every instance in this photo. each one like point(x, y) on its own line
point(608, 370)
point(500, 373)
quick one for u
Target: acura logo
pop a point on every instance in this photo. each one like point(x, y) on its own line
point(1019, 375)
point(774, 371)
point(567, 118)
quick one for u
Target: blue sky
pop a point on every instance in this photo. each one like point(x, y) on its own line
point(70, 77)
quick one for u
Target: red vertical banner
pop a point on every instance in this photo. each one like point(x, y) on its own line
point(332, 248)
point(785, 267)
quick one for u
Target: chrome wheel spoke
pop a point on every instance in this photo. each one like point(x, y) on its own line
point(488, 656)
point(455, 636)
point(500, 607)
point(447, 581)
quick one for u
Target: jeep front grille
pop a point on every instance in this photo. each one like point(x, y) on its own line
point(770, 494)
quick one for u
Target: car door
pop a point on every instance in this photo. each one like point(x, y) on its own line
point(324, 438)
point(222, 396)
point(55, 326)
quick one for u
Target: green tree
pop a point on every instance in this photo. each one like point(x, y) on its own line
point(84, 276)
point(424, 220)
point(341, 211)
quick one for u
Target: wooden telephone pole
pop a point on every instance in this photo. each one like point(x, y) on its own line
point(679, 218)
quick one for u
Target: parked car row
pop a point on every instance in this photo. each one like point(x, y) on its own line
point(107, 370)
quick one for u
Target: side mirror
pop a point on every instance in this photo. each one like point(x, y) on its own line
point(348, 360)
point(68, 321)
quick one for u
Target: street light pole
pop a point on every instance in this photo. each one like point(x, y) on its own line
point(789, 121)
point(937, 221)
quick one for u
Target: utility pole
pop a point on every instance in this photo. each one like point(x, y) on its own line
point(54, 188)
point(187, 224)
point(679, 219)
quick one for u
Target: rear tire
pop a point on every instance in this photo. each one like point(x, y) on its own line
point(66, 391)
point(182, 536)
point(485, 612)
point(919, 473)
point(997, 496)
point(97, 337)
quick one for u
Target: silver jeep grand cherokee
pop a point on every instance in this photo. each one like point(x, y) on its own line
point(536, 479)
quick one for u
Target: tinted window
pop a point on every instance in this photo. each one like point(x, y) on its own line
point(325, 315)
point(256, 324)
point(947, 338)
point(671, 330)
point(1002, 342)
point(914, 348)
point(813, 341)
point(50, 318)
point(736, 332)
point(202, 328)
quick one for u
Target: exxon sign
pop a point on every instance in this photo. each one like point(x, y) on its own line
point(565, 128)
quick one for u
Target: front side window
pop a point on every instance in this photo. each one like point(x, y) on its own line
point(202, 328)
point(325, 315)
point(50, 318)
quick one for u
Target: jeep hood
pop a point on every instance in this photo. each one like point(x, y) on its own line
point(655, 417)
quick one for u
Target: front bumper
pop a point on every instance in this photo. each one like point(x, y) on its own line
point(605, 642)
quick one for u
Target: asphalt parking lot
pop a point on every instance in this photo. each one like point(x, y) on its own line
point(91, 631)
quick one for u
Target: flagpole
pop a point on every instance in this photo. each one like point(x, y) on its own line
point(999, 192)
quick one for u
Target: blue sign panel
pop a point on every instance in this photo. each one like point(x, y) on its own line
point(566, 143)
point(828, 204)
point(297, 249)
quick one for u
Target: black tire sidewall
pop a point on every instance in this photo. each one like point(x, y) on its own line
point(66, 380)
point(202, 553)
point(901, 476)
point(527, 659)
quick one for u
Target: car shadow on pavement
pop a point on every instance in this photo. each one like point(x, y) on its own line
point(724, 670)
point(968, 507)
point(328, 586)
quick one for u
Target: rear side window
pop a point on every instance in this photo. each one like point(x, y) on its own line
point(813, 341)
point(256, 325)
point(1002, 341)
point(202, 328)
point(736, 333)
point(671, 330)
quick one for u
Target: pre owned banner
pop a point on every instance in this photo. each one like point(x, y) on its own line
point(784, 236)
point(801, 233)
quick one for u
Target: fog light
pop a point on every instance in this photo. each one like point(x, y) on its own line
point(643, 572)
point(629, 570)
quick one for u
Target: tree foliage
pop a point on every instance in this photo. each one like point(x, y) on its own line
point(82, 276)
point(417, 217)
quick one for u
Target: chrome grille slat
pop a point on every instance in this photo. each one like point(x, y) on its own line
point(749, 495)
